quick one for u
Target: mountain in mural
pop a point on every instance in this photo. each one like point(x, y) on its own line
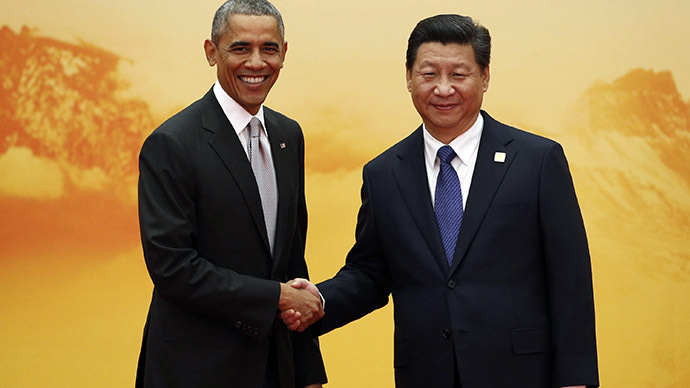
point(61, 109)
point(645, 105)
point(628, 142)
point(68, 146)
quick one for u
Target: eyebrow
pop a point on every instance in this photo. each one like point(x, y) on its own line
point(241, 43)
point(434, 64)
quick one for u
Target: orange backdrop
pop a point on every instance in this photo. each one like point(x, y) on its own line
point(83, 82)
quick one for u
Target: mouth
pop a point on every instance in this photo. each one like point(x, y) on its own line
point(252, 80)
point(444, 107)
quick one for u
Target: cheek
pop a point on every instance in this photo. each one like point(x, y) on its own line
point(275, 63)
point(470, 92)
point(422, 92)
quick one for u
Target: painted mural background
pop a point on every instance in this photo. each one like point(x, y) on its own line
point(82, 83)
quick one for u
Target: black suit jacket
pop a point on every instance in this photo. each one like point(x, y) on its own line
point(212, 320)
point(516, 307)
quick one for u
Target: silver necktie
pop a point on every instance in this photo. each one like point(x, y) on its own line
point(262, 166)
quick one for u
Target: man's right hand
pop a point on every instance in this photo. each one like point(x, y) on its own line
point(300, 304)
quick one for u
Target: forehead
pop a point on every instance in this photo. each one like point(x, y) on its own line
point(249, 28)
point(437, 53)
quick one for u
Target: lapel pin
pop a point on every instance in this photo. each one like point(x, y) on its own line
point(500, 157)
point(282, 145)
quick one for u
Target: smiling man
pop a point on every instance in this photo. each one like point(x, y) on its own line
point(474, 228)
point(223, 224)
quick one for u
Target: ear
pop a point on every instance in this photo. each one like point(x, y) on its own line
point(283, 52)
point(486, 76)
point(210, 49)
point(285, 46)
point(408, 76)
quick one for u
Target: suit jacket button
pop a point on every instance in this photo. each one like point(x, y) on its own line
point(446, 333)
point(451, 284)
point(238, 324)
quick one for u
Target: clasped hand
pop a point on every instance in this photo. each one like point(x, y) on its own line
point(300, 304)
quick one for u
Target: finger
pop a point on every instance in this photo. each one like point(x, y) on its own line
point(303, 326)
point(291, 318)
point(299, 283)
point(291, 322)
point(295, 326)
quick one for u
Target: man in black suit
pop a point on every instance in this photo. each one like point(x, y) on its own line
point(474, 228)
point(223, 224)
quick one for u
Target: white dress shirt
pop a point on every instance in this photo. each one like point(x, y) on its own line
point(239, 118)
point(465, 147)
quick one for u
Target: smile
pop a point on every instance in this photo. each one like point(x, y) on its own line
point(444, 106)
point(253, 80)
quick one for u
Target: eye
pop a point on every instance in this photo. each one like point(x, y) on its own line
point(270, 50)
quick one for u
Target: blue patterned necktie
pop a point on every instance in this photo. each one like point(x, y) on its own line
point(448, 202)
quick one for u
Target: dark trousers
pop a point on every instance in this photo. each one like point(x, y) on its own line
point(271, 377)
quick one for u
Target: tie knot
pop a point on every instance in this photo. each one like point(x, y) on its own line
point(254, 127)
point(446, 154)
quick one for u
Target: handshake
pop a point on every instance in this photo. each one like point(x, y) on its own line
point(300, 304)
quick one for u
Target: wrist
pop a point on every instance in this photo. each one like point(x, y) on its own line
point(283, 298)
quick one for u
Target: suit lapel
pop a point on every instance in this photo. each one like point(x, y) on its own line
point(487, 177)
point(226, 144)
point(410, 174)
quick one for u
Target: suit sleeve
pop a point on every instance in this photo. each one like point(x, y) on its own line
point(168, 224)
point(363, 284)
point(309, 366)
point(569, 275)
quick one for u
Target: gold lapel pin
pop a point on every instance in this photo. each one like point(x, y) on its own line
point(282, 145)
point(500, 157)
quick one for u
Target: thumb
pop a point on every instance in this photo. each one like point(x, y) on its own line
point(299, 283)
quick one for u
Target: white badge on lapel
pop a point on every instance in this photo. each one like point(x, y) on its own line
point(500, 157)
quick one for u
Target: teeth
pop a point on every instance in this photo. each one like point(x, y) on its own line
point(252, 80)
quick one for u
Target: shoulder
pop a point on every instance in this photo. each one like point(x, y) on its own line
point(180, 123)
point(410, 145)
point(181, 132)
point(508, 134)
point(280, 120)
point(277, 116)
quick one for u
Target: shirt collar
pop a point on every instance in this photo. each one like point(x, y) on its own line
point(463, 145)
point(239, 118)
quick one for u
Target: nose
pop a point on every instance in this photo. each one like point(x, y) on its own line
point(444, 88)
point(255, 60)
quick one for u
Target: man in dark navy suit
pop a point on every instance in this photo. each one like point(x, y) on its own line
point(474, 228)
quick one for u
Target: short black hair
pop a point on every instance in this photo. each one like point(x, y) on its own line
point(451, 28)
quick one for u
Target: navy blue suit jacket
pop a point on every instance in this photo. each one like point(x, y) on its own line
point(516, 307)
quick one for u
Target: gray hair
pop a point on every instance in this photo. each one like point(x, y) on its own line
point(243, 7)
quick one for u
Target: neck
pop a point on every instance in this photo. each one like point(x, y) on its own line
point(446, 135)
